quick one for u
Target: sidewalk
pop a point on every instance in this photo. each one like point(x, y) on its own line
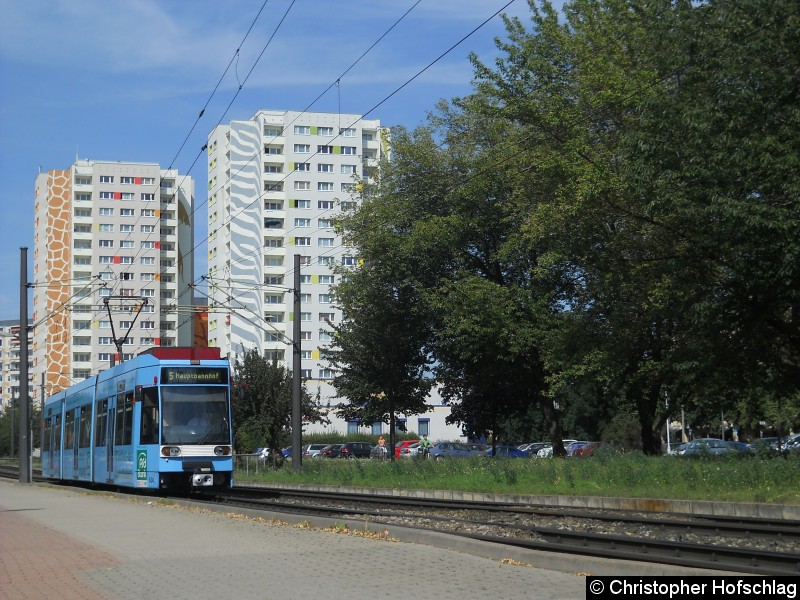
point(69, 544)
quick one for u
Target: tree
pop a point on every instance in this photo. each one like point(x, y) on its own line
point(262, 409)
point(379, 348)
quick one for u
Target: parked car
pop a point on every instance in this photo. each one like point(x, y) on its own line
point(311, 450)
point(402, 444)
point(410, 451)
point(574, 447)
point(532, 448)
point(330, 451)
point(506, 452)
point(355, 450)
point(442, 450)
point(547, 451)
point(702, 446)
point(590, 449)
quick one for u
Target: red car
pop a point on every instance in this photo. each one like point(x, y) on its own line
point(402, 445)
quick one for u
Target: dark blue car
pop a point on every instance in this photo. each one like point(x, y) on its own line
point(507, 452)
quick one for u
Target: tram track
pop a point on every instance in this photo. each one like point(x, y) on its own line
point(743, 545)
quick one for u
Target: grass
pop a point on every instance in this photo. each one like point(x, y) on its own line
point(732, 479)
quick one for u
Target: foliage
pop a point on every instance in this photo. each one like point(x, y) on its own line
point(10, 417)
point(732, 478)
point(262, 407)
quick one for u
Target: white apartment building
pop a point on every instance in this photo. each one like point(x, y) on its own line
point(276, 183)
point(10, 363)
point(109, 235)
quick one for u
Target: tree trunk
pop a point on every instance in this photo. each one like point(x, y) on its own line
point(554, 426)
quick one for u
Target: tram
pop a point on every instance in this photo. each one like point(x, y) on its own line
point(161, 421)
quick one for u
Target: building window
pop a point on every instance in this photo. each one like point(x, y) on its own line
point(302, 167)
point(148, 197)
point(305, 298)
point(105, 243)
point(348, 187)
point(327, 131)
point(325, 298)
point(325, 204)
point(324, 168)
point(126, 180)
point(126, 228)
point(325, 242)
point(148, 245)
point(349, 132)
point(302, 148)
point(272, 131)
point(302, 130)
point(350, 150)
point(148, 212)
point(302, 185)
point(424, 427)
point(327, 279)
point(349, 261)
point(305, 373)
point(273, 298)
point(325, 149)
point(325, 261)
point(273, 187)
point(305, 316)
point(106, 179)
point(302, 203)
point(128, 196)
point(304, 279)
point(328, 317)
point(126, 244)
point(274, 355)
point(302, 222)
point(325, 336)
point(325, 186)
point(352, 427)
point(302, 241)
point(273, 205)
point(325, 223)
point(106, 212)
point(273, 279)
point(147, 260)
point(326, 373)
point(273, 168)
point(349, 169)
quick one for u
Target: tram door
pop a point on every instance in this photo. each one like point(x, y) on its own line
point(110, 426)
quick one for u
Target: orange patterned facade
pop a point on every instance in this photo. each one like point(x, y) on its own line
point(59, 262)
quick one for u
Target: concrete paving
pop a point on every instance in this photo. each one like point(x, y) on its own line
point(68, 543)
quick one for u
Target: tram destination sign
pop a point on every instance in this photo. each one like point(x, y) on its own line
point(194, 375)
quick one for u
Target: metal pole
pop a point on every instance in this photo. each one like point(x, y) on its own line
point(24, 396)
point(297, 423)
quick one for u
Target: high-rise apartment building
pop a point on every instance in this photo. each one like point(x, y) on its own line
point(10, 363)
point(276, 183)
point(113, 246)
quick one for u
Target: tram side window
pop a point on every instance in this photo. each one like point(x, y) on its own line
point(46, 436)
point(85, 439)
point(149, 426)
point(69, 429)
point(120, 420)
point(124, 420)
point(100, 423)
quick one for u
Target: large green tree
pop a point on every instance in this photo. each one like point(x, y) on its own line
point(262, 406)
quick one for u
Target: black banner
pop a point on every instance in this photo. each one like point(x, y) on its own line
point(193, 375)
point(692, 587)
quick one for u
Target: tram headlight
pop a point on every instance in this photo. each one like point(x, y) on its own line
point(170, 451)
point(222, 450)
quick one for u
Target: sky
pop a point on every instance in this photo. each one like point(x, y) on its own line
point(126, 80)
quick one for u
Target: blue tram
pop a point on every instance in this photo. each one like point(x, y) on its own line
point(161, 421)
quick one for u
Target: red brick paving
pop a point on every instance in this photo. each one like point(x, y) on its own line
point(37, 562)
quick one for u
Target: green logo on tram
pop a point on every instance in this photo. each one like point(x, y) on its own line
point(141, 465)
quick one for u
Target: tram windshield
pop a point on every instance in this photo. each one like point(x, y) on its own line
point(195, 414)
